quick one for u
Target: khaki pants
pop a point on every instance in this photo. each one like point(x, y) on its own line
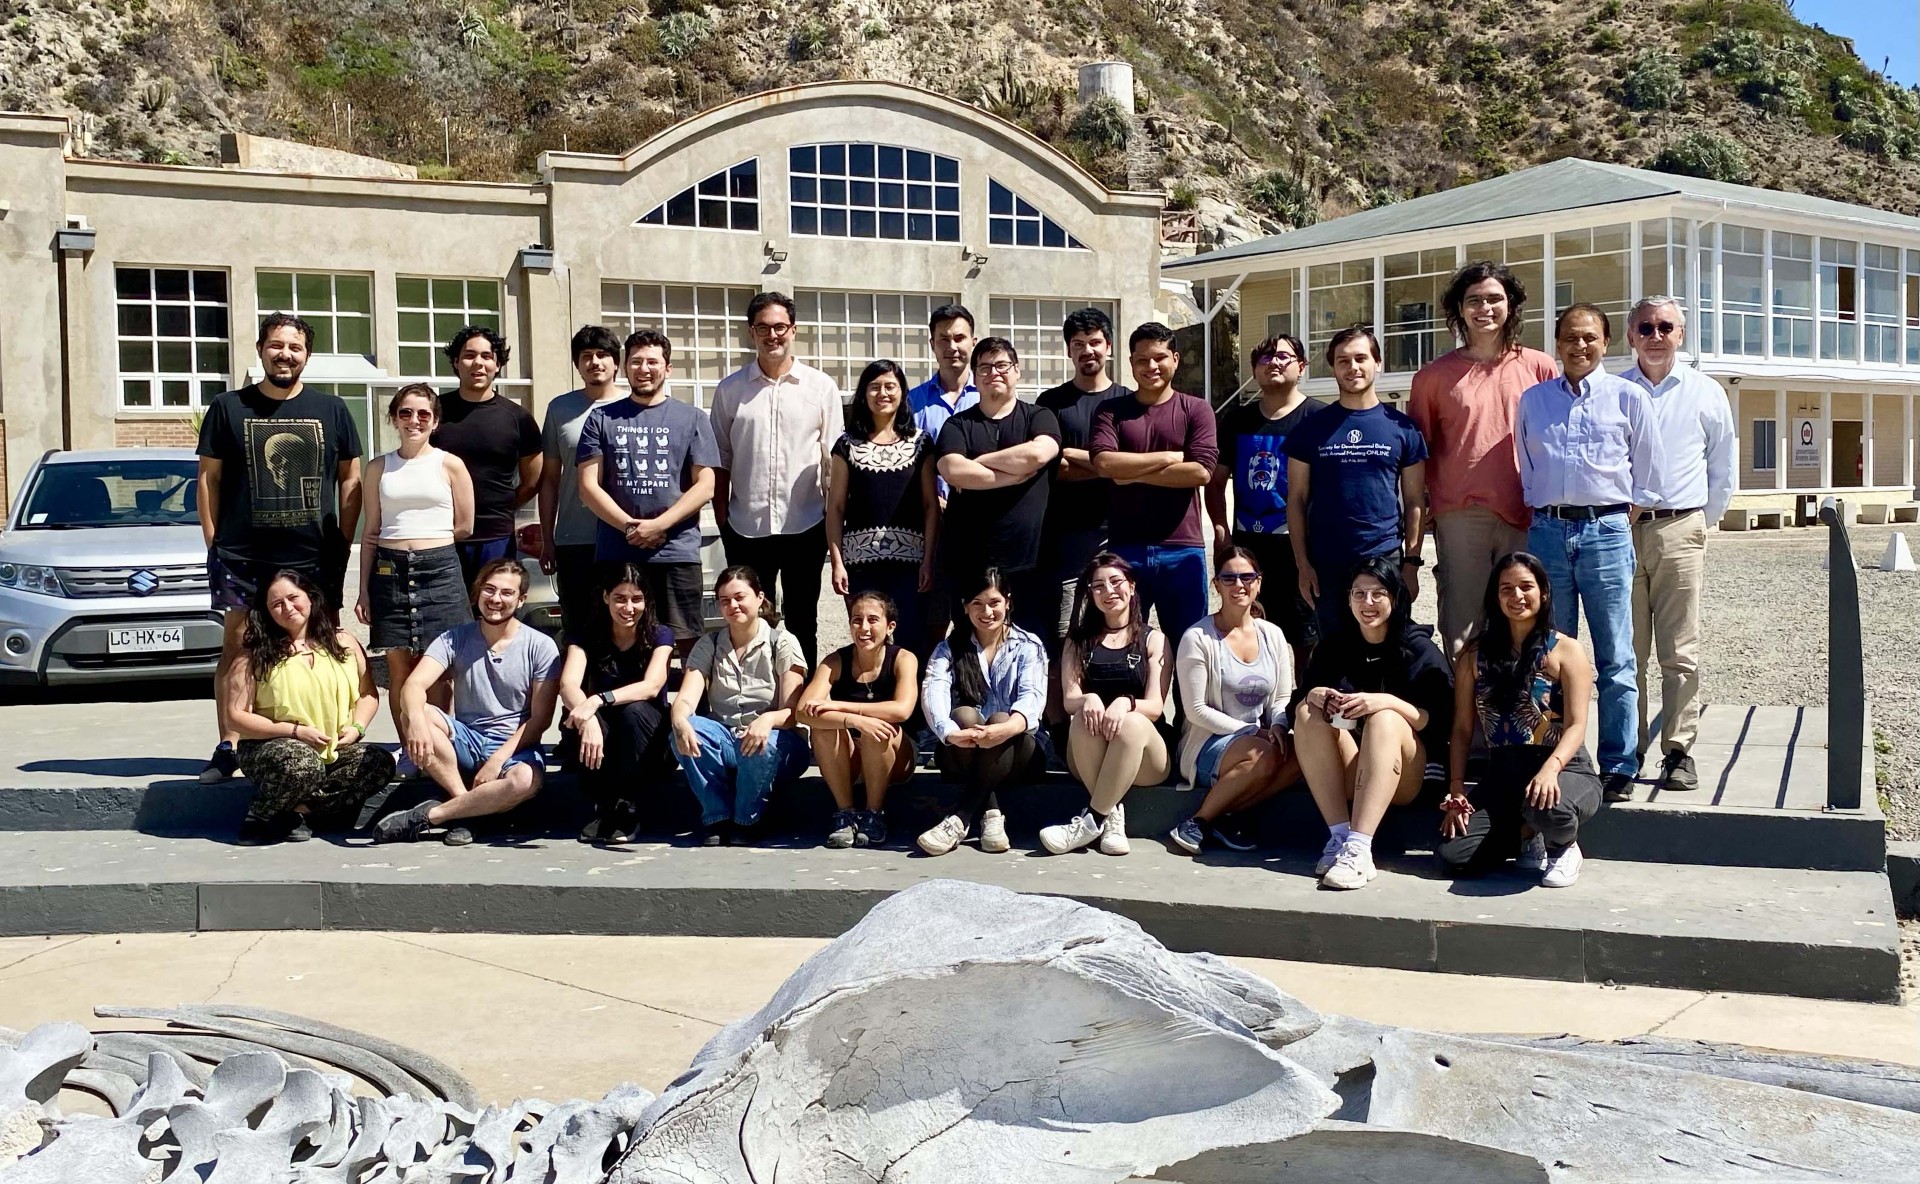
point(1467, 543)
point(1669, 567)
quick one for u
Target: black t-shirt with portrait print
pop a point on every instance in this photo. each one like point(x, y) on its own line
point(995, 527)
point(492, 437)
point(279, 464)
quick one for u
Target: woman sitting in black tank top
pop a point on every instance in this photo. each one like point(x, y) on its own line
point(855, 707)
point(1114, 677)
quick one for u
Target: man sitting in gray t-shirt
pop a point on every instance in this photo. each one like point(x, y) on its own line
point(485, 756)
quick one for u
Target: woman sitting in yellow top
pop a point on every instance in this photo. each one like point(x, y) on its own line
point(301, 700)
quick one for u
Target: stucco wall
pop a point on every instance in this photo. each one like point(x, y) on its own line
point(32, 182)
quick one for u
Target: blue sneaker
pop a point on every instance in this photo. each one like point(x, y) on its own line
point(1189, 836)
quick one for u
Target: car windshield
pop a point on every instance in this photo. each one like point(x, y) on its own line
point(112, 493)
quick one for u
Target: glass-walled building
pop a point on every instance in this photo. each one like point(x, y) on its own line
point(1807, 311)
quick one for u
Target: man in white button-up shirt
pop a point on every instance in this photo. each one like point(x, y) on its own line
point(1695, 482)
point(775, 421)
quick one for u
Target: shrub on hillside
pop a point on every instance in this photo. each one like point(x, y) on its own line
point(682, 33)
point(809, 41)
point(1767, 75)
point(1102, 124)
point(1708, 155)
point(1654, 81)
point(1284, 196)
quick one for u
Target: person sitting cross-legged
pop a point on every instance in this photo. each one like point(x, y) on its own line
point(745, 745)
point(485, 756)
point(1378, 705)
point(301, 697)
point(1236, 671)
point(1528, 687)
point(613, 683)
point(856, 709)
point(1114, 680)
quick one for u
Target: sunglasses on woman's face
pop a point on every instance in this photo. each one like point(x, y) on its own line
point(413, 413)
point(1247, 578)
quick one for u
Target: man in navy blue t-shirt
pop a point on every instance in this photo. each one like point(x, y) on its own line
point(1356, 482)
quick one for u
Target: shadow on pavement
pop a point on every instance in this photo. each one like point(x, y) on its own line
point(143, 767)
point(134, 691)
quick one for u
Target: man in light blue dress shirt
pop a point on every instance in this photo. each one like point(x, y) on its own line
point(1589, 450)
point(950, 389)
point(1695, 483)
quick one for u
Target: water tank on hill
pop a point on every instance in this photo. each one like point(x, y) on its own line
point(1113, 80)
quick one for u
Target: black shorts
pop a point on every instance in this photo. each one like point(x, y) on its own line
point(675, 591)
point(235, 583)
point(1280, 597)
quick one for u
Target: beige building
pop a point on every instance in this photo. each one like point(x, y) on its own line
point(1806, 310)
point(132, 292)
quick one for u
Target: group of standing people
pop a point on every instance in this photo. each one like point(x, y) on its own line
point(1004, 564)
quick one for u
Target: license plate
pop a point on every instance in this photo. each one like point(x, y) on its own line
point(147, 640)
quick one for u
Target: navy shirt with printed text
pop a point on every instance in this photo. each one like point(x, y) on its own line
point(647, 455)
point(1354, 461)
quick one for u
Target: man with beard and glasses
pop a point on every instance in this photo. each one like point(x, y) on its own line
point(279, 488)
point(566, 524)
point(497, 439)
point(646, 469)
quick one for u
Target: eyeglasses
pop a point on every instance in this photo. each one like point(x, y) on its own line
point(1245, 578)
point(413, 413)
point(1000, 367)
point(776, 329)
point(1110, 583)
point(1484, 301)
point(1649, 328)
point(1369, 595)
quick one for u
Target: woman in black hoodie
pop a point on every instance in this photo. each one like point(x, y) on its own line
point(1376, 709)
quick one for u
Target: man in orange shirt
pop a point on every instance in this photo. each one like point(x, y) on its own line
point(1464, 403)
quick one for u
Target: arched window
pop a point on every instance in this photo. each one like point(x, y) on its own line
point(728, 200)
point(874, 191)
point(1013, 222)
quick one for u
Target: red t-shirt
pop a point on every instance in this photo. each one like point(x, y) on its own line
point(1465, 409)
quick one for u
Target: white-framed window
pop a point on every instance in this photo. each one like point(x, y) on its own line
point(1913, 308)
point(1591, 265)
point(728, 200)
point(707, 326)
point(1338, 295)
point(376, 432)
point(873, 191)
point(840, 332)
point(173, 335)
point(1839, 299)
point(1766, 445)
point(1743, 282)
point(432, 309)
point(339, 306)
point(1880, 276)
point(1033, 324)
point(1416, 288)
point(1012, 221)
point(1792, 295)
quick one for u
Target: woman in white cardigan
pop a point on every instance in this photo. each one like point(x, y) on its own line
point(1236, 674)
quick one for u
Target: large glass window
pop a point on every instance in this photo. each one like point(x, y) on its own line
point(1033, 325)
point(1792, 295)
point(172, 335)
point(1913, 308)
point(432, 311)
point(376, 432)
point(1338, 295)
point(1880, 276)
point(1416, 327)
point(840, 332)
point(706, 325)
point(1743, 276)
point(1526, 259)
point(339, 306)
point(1012, 221)
point(1592, 266)
point(874, 191)
point(1766, 445)
point(728, 200)
point(1839, 300)
point(1663, 259)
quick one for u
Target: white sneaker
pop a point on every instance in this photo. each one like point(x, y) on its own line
point(1328, 854)
point(1113, 836)
point(1563, 867)
point(1069, 836)
point(1533, 855)
point(993, 832)
point(1352, 869)
point(944, 835)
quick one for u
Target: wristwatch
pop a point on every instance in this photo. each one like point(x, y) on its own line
point(606, 698)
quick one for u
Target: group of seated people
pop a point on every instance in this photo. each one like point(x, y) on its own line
point(1375, 708)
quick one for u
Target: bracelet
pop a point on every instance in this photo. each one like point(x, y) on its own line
point(1453, 804)
point(359, 730)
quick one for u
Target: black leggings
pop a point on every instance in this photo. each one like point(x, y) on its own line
point(635, 736)
point(1500, 807)
point(982, 772)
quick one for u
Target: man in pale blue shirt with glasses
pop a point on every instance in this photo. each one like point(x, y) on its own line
point(1695, 483)
point(1589, 451)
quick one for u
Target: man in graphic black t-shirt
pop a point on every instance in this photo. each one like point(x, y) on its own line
point(497, 439)
point(997, 457)
point(279, 487)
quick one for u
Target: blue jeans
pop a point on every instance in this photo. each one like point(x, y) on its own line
point(1591, 563)
point(736, 787)
point(1172, 579)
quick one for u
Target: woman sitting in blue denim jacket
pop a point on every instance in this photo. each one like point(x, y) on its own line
point(984, 705)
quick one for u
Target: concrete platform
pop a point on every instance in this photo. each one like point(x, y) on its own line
point(1819, 934)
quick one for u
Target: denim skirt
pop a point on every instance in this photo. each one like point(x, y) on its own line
point(415, 597)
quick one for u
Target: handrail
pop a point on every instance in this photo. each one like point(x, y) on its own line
point(1846, 664)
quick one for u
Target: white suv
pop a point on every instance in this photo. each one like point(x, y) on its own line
point(103, 572)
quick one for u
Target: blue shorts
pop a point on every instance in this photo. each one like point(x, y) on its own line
point(1206, 766)
point(472, 748)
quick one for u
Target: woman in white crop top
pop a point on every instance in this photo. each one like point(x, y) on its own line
point(418, 500)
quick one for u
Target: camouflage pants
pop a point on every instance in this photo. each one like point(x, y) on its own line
point(288, 773)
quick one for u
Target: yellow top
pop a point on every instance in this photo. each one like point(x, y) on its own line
point(319, 697)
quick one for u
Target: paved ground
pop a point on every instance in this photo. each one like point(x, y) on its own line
point(559, 1017)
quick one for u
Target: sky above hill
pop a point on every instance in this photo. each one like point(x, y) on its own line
point(1879, 28)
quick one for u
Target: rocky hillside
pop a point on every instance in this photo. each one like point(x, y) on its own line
point(1285, 111)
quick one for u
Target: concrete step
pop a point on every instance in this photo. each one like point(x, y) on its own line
point(1821, 934)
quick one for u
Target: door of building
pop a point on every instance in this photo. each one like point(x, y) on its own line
point(1849, 456)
